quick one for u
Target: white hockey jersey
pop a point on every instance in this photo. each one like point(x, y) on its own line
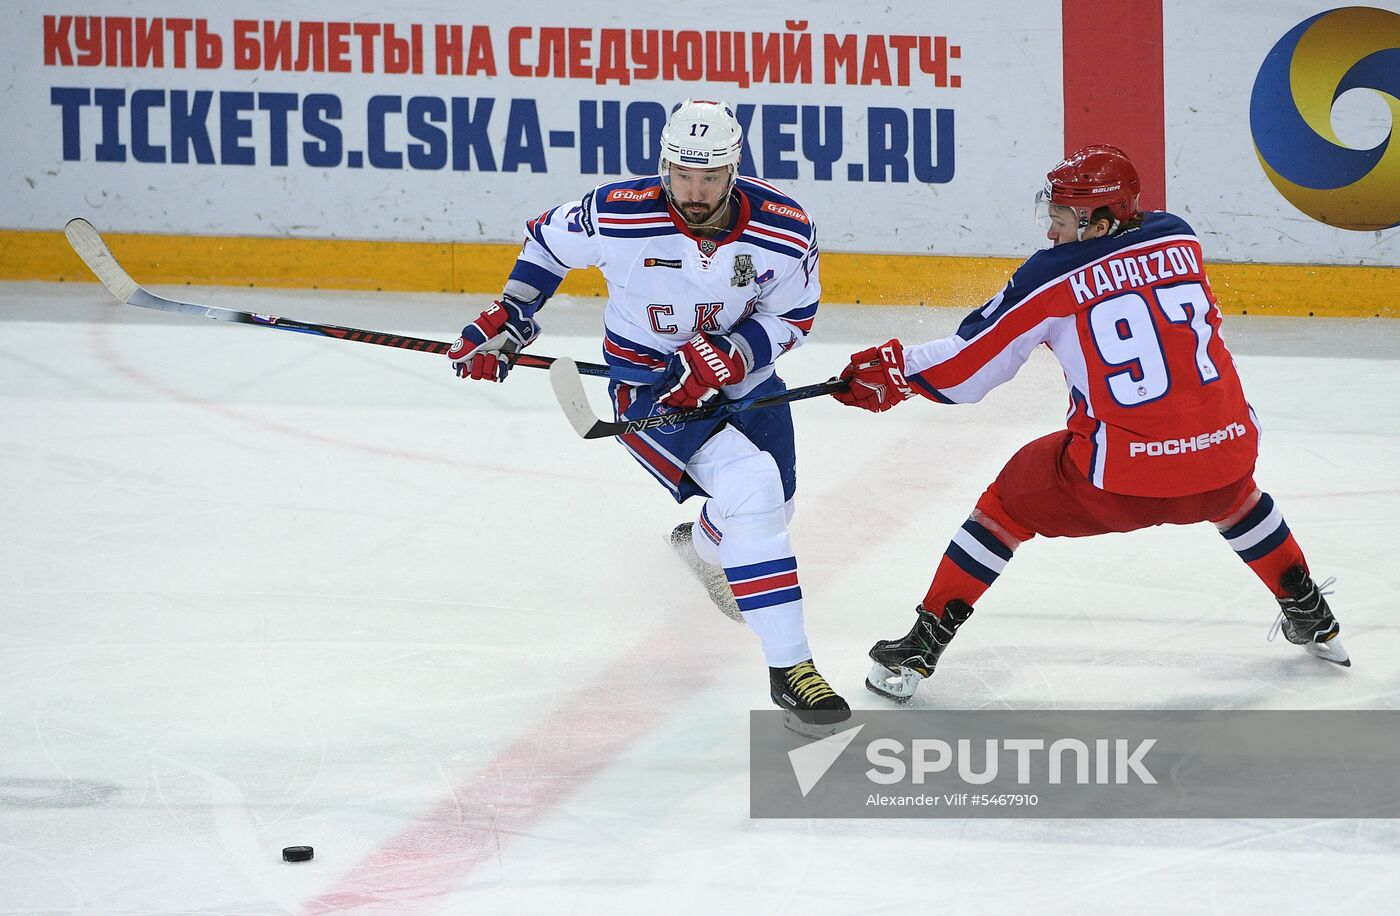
point(757, 282)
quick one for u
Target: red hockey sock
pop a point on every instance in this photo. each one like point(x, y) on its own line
point(974, 559)
point(1260, 537)
point(952, 581)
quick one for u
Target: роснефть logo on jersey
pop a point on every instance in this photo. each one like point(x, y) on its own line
point(1290, 116)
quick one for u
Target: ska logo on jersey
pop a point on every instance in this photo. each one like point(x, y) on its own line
point(662, 262)
point(744, 273)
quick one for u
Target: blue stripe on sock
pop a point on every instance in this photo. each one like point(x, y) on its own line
point(1266, 546)
point(754, 602)
point(970, 566)
point(1256, 515)
point(987, 539)
point(754, 570)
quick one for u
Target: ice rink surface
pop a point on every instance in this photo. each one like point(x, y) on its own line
point(265, 589)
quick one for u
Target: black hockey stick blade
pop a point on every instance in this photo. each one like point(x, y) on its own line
point(568, 389)
point(88, 243)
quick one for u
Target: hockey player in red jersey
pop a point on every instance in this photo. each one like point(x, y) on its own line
point(1159, 431)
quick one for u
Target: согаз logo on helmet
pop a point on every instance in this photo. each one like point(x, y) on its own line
point(1290, 117)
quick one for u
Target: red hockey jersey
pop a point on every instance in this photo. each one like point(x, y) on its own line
point(1156, 407)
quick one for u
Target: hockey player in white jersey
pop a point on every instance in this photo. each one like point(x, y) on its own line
point(711, 278)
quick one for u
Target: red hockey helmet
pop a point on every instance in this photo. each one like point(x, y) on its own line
point(1092, 177)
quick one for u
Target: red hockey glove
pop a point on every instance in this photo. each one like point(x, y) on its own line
point(698, 369)
point(483, 349)
point(877, 378)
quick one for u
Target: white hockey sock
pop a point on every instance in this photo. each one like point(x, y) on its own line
point(782, 634)
point(768, 592)
point(744, 528)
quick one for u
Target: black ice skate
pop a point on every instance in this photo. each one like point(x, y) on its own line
point(1306, 620)
point(710, 576)
point(813, 708)
point(900, 664)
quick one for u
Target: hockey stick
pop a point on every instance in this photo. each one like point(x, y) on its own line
point(568, 388)
point(89, 245)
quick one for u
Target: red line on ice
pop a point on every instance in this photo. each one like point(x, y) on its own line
point(524, 784)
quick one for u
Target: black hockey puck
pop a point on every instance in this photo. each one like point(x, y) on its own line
point(297, 854)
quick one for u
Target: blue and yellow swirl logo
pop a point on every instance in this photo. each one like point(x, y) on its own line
point(1290, 116)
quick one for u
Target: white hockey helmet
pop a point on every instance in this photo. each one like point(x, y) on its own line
point(701, 134)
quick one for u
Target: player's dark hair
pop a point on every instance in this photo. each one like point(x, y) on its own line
point(1105, 213)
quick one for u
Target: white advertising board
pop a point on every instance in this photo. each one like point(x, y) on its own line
point(902, 128)
point(1227, 97)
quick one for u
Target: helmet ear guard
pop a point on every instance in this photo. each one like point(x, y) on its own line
point(1089, 178)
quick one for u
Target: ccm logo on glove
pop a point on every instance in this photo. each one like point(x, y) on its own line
point(893, 364)
point(876, 378)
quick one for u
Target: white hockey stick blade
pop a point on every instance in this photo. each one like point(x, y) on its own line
point(87, 242)
point(90, 247)
point(568, 389)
